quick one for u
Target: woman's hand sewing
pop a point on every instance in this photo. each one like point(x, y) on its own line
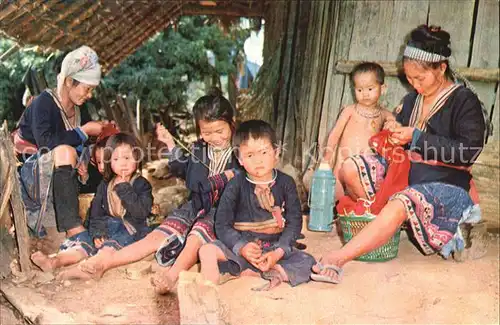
point(93, 128)
point(402, 135)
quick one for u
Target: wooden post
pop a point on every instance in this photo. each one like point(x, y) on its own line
point(391, 69)
point(138, 117)
point(105, 105)
point(129, 116)
point(16, 203)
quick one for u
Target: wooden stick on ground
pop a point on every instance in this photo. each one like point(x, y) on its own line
point(199, 301)
point(6, 191)
point(16, 202)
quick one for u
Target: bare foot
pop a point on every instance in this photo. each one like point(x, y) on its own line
point(163, 282)
point(72, 273)
point(45, 263)
point(94, 267)
point(275, 276)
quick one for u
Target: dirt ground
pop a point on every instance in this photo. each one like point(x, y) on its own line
point(409, 289)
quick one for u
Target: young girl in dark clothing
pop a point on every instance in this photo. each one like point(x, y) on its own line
point(118, 212)
point(206, 169)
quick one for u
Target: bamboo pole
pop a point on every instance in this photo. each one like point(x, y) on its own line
point(138, 116)
point(12, 50)
point(391, 69)
point(196, 10)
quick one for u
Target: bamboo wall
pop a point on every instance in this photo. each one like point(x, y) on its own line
point(305, 39)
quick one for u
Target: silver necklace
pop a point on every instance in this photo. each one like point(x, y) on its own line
point(275, 174)
point(366, 114)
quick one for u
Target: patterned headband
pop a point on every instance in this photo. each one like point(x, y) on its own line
point(421, 55)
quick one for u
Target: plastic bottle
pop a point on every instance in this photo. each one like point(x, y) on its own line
point(321, 199)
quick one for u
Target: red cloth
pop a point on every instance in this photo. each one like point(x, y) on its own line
point(396, 178)
point(395, 181)
point(107, 131)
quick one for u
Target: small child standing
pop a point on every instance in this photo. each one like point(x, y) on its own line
point(359, 121)
point(118, 211)
point(259, 217)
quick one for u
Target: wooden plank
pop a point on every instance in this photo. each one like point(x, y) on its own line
point(335, 84)
point(199, 301)
point(16, 202)
point(406, 16)
point(284, 126)
point(496, 116)
point(486, 48)
point(324, 34)
point(123, 104)
point(454, 17)
point(33, 306)
point(7, 187)
point(372, 18)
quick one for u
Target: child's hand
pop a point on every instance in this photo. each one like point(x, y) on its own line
point(120, 179)
point(269, 260)
point(252, 253)
point(391, 125)
point(165, 136)
point(83, 172)
point(98, 242)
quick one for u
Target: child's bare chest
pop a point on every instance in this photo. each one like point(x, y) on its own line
point(364, 124)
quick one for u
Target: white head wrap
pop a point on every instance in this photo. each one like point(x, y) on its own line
point(81, 65)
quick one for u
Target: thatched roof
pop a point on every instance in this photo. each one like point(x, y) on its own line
point(113, 28)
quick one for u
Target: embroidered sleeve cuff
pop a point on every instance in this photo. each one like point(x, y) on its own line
point(238, 246)
point(415, 137)
point(82, 134)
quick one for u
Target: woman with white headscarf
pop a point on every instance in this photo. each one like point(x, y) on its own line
point(54, 124)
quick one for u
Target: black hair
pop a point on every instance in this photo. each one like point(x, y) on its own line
point(114, 142)
point(98, 145)
point(213, 107)
point(435, 40)
point(255, 129)
point(373, 67)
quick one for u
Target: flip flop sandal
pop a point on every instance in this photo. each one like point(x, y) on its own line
point(324, 278)
point(300, 246)
point(476, 242)
point(169, 250)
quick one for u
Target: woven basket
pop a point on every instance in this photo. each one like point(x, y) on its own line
point(84, 201)
point(351, 225)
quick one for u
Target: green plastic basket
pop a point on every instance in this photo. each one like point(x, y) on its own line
point(352, 225)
